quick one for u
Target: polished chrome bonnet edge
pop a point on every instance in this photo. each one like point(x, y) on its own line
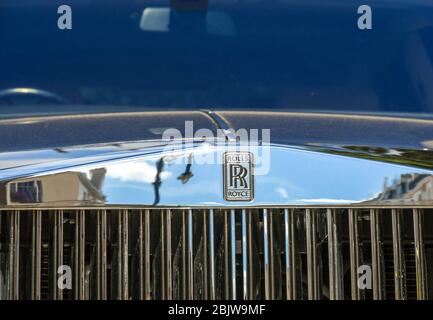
point(191, 175)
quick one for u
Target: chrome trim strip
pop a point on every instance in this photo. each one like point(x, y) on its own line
point(103, 175)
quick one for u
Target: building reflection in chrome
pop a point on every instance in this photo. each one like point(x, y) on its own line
point(297, 177)
point(408, 188)
point(57, 187)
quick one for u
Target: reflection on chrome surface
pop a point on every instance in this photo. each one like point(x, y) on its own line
point(409, 188)
point(151, 176)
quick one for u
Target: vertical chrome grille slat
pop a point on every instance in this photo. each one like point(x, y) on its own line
point(16, 258)
point(250, 275)
point(14, 255)
point(79, 258)
point(184, 258)
point(36, 255)
point(226, 232)
point(101, 253)
point(163, 265)
point(335, 274)
point(190, 260)
point(421, 290)
point(271, 255)
point(399, 268)
point(58, 252)
point(312, 276)
point(205, 256)
point(2, 287)
point(212, 254)
point(168, 262)
point(376, 254)
point(141, 256)
point(233, 254)
point(244, 256)
point(354, 253)
point(290, 253)
point(122, 252)
point(266, 255)
point(147, 280)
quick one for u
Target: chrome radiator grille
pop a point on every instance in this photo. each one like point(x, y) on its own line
point(266, 253)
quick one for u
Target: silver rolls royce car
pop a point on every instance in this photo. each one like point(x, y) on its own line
point(216, 149)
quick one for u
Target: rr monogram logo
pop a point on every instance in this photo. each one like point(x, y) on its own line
point(238, 173)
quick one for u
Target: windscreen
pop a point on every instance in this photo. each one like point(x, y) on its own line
point(323, 55)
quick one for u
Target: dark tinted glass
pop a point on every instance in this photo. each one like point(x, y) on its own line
point(302, 55)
